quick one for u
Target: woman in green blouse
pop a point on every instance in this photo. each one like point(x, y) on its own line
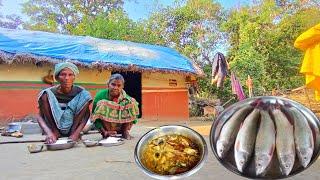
point(113, 110)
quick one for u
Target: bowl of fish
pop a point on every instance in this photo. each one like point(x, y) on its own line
point(170, 152)
point(266, 137)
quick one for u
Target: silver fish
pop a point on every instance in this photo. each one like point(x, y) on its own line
point(245, 140)
point(265, 143)
point(302, 136)
point(284, 142)
point(230, 129)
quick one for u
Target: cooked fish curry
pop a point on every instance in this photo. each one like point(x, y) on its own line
point(170, 154)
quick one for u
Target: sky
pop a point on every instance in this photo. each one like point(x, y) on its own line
point(136, 9)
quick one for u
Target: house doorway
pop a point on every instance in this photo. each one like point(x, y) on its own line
point(132, 86)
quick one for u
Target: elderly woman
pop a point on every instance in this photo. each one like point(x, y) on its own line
point(113, 110)
point(64, 108)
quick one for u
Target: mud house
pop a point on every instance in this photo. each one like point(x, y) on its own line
point(158, 77)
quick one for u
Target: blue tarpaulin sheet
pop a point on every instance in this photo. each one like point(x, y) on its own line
point(89, 50)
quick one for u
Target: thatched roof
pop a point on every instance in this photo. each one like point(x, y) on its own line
point(19, 46)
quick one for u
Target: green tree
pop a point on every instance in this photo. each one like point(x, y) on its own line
point(212, 92)
point(115, 25)
point(61, 15)
point(191, 27)
point(11, 21)
point(261, 39)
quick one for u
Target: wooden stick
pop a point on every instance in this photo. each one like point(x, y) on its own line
point(306, 93)
point(228, 101)
point(22, 141)
point(299, 88)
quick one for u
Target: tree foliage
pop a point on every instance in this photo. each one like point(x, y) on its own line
point(260, 35)
point(11, 21)
point(191, 27)
point(115, 25)
point(261, 40)
point(61, 15)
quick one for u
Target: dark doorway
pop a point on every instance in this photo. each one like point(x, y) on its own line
point(132, 86)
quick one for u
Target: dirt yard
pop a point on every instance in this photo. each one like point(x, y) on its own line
point(307, 98)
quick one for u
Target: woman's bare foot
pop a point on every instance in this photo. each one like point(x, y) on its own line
point(126, 135)
point(106, 134)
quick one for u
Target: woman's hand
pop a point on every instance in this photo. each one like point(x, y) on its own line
point(74, 137)
point(50, 139)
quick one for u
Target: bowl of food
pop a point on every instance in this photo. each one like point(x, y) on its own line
point(61, 144)
point(266, 137)
point(111, 141)
point(90, 143)
point(170, 152)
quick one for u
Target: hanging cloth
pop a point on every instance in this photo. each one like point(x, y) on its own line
point(236, 87)
point(219, 69)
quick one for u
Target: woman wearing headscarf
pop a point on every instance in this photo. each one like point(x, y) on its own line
point(113, 110)
point(64, 108)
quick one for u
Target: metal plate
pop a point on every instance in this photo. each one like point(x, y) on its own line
point(90, 143)
point(167, 130)
point(119, 141)
point(274, 171)
point(55, 146)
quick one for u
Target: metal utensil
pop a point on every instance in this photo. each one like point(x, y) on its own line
point(57, 146)
point(90, 143)
point(274, 172)
point(167, 130)
point(118, 142)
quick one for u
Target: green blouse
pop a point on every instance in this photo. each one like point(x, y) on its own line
point(104, 95)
